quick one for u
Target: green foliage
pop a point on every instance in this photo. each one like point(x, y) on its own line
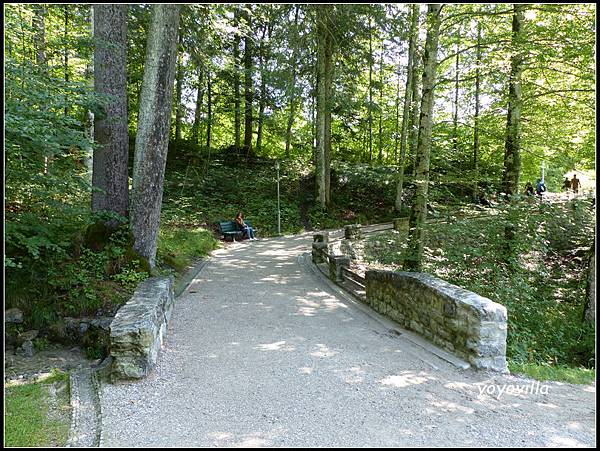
point(41, 344)
point(537, 277)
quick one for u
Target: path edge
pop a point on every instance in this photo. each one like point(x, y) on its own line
point(189, 276)
point(86, 414)
point(306, 261)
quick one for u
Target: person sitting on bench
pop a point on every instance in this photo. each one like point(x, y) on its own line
point(239, 219)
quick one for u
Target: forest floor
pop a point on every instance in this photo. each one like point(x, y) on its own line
point(274, 357)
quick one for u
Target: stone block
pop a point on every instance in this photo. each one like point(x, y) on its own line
point(469, 325)
point(13, 315)
point(317, 252)
point(336, 265)
point(136, 333)
point(353, 232)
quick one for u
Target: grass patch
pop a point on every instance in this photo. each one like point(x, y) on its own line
point(32, 418)
point(180, 247)
point(559, 373)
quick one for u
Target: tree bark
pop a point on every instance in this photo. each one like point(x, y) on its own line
point(408, 93)
point(294, 62)
point(39, 43)
point(589, 315)
point(178, 91)
point(109, 167)
point(66, 52)
point(512, 146)
point(263, 84)
point(248, 94)
point(380, 134)
point(328, 104)
point(88, 158)
point(198, 109)
point(324, 68)
point(209, 118)
point(39, 25)
point(418, 213)
point(370, 90)
point(397, 122)
point(476, 118)
point(236, 81)
point(151, 144)
point(414, 117)
point(455, 113)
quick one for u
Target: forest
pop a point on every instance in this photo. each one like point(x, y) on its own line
point(132, 130)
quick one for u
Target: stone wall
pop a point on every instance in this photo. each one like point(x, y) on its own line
point(137, 331)
point(460, 321)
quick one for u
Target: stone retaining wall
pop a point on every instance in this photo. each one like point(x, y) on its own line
point(137, 331)
point(460, 321)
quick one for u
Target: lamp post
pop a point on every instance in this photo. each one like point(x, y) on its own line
point(543, 167)
point(278, 209)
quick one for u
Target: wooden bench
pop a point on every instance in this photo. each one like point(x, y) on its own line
point(232, 229)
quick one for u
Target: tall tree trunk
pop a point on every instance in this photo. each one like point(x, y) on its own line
point(263, 85)
point(236, 81)
point(39, 25)
point(408, 93)
point(512, 146)
point(209, 118)
point(109, 175)
point(292, 86)
point(88, 158)
point(455, 113)
point(66, 52)
point(476, 119)
point(589, 314)
point(370, 90)
point(324, 68)
point(178, 91)
point(314, 121)
point(328, 79)
point(248, 85)
point(39, 42)
point(151, 144)
point(397, 122)
point(198, 109)
point(418, 213)
point(414, 117)
point(380, 134)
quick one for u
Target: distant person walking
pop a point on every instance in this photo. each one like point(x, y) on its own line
point(529, 189)
point(540, 188)
point(249, 231)
point(566, 185)
point(575, 184)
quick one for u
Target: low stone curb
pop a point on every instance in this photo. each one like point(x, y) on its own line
point(189, 276)
point(85, 414)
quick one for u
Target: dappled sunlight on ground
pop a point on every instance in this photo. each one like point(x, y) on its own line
point(323, 351)
point(406, 379)
point(278, 346)
point(261, 353)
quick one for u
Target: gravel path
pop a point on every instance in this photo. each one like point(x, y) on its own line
point(261, 352)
